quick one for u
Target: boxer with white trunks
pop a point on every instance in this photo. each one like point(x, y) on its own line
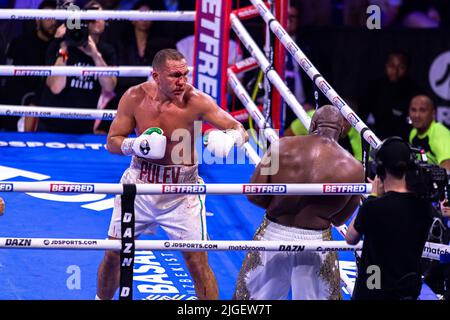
point(316, 158)
point(163, 113)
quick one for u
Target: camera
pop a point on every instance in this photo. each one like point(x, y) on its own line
point(428, 181)
point(76, 37)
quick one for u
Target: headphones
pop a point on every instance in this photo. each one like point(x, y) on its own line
point(378, 166)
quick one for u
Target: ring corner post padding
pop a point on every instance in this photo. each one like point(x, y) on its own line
point(128, 244)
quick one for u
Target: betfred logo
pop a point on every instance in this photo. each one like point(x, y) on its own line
point(292, 47)
point(72, 188)
point(306, 65)
point(338, 102)
point(279, 32)
point(352, 118)
point(209, 47)
point(244, 99)
point(323, 85)
point(99, 73)
point(262, 8)
point(29, 72)
point(264, 189)
point(6, 187)
point(246, 63)
point(371, 140)
point(181, 188)
point(345, 188)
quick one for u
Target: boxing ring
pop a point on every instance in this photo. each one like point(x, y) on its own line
point(51, 219)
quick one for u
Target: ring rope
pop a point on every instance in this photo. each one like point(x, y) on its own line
point(61, 14)
point(430, 250)
point(183, 245)
point(63, 113)
point(210, 188)
point(271, 74)
point(251, 107)
point(77, 71)
point(314, 74)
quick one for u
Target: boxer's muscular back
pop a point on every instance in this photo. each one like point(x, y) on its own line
point(168, 116)
point(314, 159)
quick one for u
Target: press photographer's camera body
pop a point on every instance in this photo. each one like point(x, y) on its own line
point(77, 37)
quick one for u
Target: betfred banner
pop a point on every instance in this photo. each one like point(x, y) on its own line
point(212, 33)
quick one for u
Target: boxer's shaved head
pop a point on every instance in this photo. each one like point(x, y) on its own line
point(326, 120)
point(161, 57)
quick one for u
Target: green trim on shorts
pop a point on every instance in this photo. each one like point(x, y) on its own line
point(201, 217)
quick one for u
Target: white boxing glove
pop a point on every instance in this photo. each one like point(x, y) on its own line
point(151, 144)
point(220, 143)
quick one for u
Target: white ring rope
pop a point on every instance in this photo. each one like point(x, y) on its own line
point(314, 74)
point(251, 107)
point(430, 250)
point(63, 113)
point(210, 188)
point(183, 245)
point(61, 14)
point(271, 74)
point(77, 71)
point(251, 153)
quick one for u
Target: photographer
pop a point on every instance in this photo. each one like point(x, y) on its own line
point(77, 47)
point(395, 224)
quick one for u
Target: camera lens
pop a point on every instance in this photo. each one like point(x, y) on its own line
point(76, 37)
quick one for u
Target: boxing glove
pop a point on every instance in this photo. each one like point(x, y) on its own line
point(151, 144)
point(220, 143)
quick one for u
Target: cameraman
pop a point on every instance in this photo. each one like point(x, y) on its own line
point(77, 47)
point(395, 224)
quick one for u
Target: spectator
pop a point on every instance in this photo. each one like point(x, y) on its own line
point(387, 99)
point(29, 49)
point(427, 134)
point(397, 218)
point(77, 92)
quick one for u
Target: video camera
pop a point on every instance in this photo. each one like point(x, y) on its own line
point(428, 181)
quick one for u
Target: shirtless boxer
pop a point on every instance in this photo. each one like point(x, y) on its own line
point(156, 110)
point(316, 158)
